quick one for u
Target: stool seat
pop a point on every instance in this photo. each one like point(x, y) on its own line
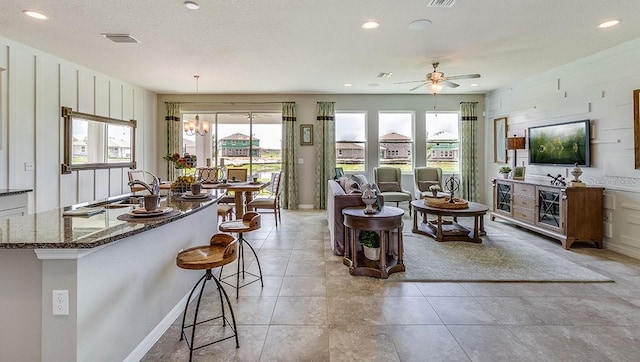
point(249, 222)
point(221, 251)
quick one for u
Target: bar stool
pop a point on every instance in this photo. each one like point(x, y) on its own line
point(250, 221)
point(222, 250)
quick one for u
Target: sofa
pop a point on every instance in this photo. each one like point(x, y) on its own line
point(341, 194)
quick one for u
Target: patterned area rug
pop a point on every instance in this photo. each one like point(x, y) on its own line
point(502, 257)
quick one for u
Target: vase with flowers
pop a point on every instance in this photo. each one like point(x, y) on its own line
point(434, 190)
point(179, 163)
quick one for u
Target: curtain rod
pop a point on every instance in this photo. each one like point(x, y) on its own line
point(231, 103)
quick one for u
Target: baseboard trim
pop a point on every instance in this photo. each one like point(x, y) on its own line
point(152, 338)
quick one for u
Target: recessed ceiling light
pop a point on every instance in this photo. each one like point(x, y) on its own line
point(609, 23)
point(370, 25)
point(473, 85)
point(35, 14)
point(419, 24)
point(348, 84)
point(192, 5)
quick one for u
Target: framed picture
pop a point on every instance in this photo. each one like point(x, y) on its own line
point(518, 173)
point(306, 134)
point(339, 173)
point(500, 140)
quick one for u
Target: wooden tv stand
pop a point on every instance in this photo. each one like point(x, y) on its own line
point(568, 214)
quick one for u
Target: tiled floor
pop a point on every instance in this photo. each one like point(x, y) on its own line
point(311, 309)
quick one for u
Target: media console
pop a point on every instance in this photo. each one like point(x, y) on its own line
point(568, 214)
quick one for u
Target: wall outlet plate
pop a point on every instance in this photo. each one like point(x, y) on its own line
point(60, 302)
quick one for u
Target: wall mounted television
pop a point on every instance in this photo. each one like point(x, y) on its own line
point(560, 144)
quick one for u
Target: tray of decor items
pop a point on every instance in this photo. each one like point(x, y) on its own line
point(182, 184)
point(445, 203)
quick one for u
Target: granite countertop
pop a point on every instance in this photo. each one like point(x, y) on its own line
point(52, 230)
point(7, 192)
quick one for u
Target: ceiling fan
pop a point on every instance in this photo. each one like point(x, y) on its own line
point(437, 80)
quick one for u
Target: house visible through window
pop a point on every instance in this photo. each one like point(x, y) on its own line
point(395, 136)
point(442, 141)
point(350, 141)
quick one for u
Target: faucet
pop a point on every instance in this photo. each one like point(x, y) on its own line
point(154, 188)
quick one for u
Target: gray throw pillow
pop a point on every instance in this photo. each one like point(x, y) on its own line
point(424, 185)
point(352, 187)
point(389, 187)
point(360, 179)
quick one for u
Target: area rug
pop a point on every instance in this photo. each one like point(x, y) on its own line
point(502, 257)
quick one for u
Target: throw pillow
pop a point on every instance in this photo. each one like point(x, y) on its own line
point(424, 185)
point(342, 180)
point(352, 187)
point(360, 179)
point(389, 187)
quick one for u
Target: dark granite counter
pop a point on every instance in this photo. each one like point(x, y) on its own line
point(7, 192)
point(52, 230)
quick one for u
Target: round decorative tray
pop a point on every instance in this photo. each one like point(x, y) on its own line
point(444, 203)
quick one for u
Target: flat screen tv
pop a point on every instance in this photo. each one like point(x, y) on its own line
point(560, 144)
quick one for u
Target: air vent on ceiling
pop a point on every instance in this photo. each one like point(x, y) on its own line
point(441, 3)
point(121, 38)
point(384, 75)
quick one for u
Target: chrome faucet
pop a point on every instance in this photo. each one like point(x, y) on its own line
point(154, 188)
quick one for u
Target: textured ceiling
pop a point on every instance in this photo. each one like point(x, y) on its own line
point(315, 46)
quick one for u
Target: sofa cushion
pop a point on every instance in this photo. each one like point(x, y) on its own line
point(389, 187)
point(424, 185)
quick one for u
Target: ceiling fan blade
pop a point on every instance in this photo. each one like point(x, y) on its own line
point(414, 88)
point(465, 76)
point(410, 81)
point(449, 84)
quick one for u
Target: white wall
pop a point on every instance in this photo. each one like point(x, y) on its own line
point(306, 109)
point(33, 87)
point(599, 88)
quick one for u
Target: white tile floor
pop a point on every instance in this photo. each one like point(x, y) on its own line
point(311, 309)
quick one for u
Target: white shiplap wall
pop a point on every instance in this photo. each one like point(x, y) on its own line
point(599, 88)
point(34, 85)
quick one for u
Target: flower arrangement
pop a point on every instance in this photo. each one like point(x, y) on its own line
point(504, 169)
point(434, 188)
point(185, 161)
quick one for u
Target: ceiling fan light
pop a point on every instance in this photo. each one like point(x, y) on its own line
point(35, 14)
point(370, 25)
point(191, 5)
point(435, 88)
point(609, 23)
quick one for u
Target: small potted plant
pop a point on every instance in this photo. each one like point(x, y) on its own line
point(434, 190)
point(504, 170)
point(370, 241)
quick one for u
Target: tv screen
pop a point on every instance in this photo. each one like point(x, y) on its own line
point(560, 144)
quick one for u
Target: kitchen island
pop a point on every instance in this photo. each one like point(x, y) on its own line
point(123, 285)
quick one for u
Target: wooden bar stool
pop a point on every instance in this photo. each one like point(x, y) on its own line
point(250, 221)
point(222, 250)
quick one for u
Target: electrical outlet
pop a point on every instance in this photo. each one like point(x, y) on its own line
point(28, 166)
point(60, 302)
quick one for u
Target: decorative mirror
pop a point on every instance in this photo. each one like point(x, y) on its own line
point(93, 142)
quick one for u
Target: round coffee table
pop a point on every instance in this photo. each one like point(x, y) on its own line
point(443, 230)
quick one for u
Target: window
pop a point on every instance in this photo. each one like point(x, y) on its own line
point(351, 141)
point(246, 140)
point(395, 132)
point(442, 141)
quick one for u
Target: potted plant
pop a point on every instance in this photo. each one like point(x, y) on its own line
point(434, 190)
point(370, 241)
point(504, 170)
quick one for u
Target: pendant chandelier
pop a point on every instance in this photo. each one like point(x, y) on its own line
point(195, 127)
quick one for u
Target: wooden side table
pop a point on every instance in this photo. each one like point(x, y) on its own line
point(384, 222)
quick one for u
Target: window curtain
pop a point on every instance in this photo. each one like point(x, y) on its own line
point(325, 148)
point(468, 151)
point(290, 189)
point(173, 134)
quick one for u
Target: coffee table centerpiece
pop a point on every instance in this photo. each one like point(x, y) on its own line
point(451, 185)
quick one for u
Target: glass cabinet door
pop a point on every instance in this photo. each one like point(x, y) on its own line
point(549, 208)
point(503, 197)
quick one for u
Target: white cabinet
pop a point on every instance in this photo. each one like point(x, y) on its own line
point(12, 204)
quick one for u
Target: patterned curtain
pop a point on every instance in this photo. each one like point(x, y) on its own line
point(173, 134)
point(468, 151)
point(290, 189)
point(325, 148)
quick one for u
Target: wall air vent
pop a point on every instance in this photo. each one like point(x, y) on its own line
point(384, 75)
point(441, 3)
point(121, 38)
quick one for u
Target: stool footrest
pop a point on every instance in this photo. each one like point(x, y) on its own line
point(244, 284)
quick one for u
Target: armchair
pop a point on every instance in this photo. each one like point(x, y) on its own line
point(389, 183)
point(425, 177)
